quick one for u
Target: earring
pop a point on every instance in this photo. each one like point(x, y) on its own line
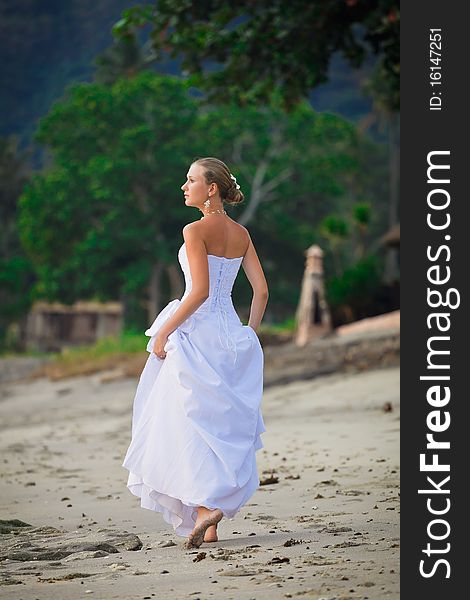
point(207, 203)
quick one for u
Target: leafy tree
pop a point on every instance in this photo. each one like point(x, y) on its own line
point(14, 173)
point(101, 222)
point(355, 293)
point(386, 104)
point(335, 229)
point(362, 216)
point(16, 272)
point(346, 236)
point(124, 58)
point(301, 161)
point(294, 169)
point(247, 50)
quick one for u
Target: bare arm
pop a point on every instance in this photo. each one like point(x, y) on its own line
point(255, 275)
point(199, 268)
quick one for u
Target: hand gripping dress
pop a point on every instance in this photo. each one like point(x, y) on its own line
point(196, 420)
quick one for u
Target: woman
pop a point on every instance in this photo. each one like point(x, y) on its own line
point(196, 420)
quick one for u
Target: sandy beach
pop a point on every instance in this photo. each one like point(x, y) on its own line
point(327, 527)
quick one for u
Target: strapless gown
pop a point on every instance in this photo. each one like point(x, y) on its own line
point(196, 419)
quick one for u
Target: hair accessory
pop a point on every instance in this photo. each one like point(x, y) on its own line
point(237, 185)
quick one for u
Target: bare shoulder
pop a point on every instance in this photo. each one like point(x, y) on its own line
point(193, 230)
point(243, 231)
point(193, 226)
point(207, 230)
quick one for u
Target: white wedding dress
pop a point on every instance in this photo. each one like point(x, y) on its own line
point(197, 420)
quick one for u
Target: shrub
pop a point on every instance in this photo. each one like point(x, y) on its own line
point(351, 295)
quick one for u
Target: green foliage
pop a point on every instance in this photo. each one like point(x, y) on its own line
point(124, 58)
point(298, 163)
point(288, 325)
point(95, 222)
point(334, 227)
point(353, 277)
point(362, 213)
point(108, 209)
point(357, 285)
point(16, 276)
point(128, 343)
point(16, 272)
point(262, 48)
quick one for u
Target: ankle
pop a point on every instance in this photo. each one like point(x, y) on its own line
point(205, 512)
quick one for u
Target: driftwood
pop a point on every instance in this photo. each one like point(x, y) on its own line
point(333, 354)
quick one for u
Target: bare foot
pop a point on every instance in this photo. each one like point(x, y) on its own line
point(206, 518)
point(211, 534)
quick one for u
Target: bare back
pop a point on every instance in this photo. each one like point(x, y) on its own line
point(225, 237)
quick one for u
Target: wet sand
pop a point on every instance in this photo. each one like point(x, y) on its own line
point(327, 527)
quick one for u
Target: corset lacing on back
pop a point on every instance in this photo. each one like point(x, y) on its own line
point(222, 274)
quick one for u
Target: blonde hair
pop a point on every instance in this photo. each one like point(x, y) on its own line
point(216, 171)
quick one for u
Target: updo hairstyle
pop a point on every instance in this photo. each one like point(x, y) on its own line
point(216, 171)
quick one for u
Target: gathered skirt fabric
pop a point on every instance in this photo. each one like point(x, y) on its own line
point(197, 420)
